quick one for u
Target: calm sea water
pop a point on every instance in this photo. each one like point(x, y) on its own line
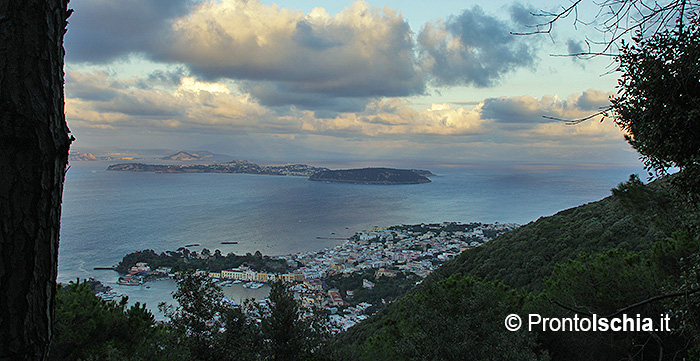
point(108, 214)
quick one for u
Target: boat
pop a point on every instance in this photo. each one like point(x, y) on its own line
point(192, 245)
point(229, 301)
point(253, 285)
point(129, 281)
point(109, 295)
point(229, 242)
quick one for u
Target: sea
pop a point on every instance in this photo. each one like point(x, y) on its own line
point(107, 214)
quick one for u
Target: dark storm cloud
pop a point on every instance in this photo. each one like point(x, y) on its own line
point(103, 30)
point(474, 48)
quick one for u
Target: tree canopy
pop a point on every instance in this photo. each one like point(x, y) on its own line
point(658, 104)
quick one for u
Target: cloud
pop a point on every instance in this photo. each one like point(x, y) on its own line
point(523, 16)
point(360, 52)
point(121, 103)
point(101, 31)
point(395, 117)
point(164, 78)
point(574, 47)
point(583, 133)
point(527, 109)
point(98, 101)
point(530, 119)
point(277, 94)
point(89, 87)
point(473, 48)
point(288, 58)
point(593, 100)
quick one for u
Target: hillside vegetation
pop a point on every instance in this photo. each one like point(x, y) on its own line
point(598, 257)
point(523, 257)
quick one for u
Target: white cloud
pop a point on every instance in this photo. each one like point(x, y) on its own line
point(193, 104)
point(392, 117)
point(360, 52)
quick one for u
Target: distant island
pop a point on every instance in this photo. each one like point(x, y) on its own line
point(236, 166)
point(373, 176)
point(320, 174)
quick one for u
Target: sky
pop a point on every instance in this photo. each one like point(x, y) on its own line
point(443, 81)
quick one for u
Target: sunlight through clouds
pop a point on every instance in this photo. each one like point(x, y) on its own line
point(189, 84)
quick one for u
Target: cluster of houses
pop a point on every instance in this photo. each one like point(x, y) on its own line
point(418, 250)
point(389, 252)
point(140, 272)
point(249, 275)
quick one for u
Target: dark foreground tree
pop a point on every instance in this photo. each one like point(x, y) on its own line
point(210, 328)
point(658, 104)
point(198, 316)
point(89, 328)
point(34, 146)
point(288, 333)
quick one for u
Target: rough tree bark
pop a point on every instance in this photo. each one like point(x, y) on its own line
point(34, 142)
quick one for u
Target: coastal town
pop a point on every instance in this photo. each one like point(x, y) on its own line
point(350, 281)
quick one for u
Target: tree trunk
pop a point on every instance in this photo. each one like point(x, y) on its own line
point(34, 144)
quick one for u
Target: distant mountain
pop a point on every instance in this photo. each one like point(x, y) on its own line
point(185, 156)
point(80, 156)
point(371, 176)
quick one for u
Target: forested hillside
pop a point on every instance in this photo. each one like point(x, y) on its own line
point(633, 220)
point(598, 257)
